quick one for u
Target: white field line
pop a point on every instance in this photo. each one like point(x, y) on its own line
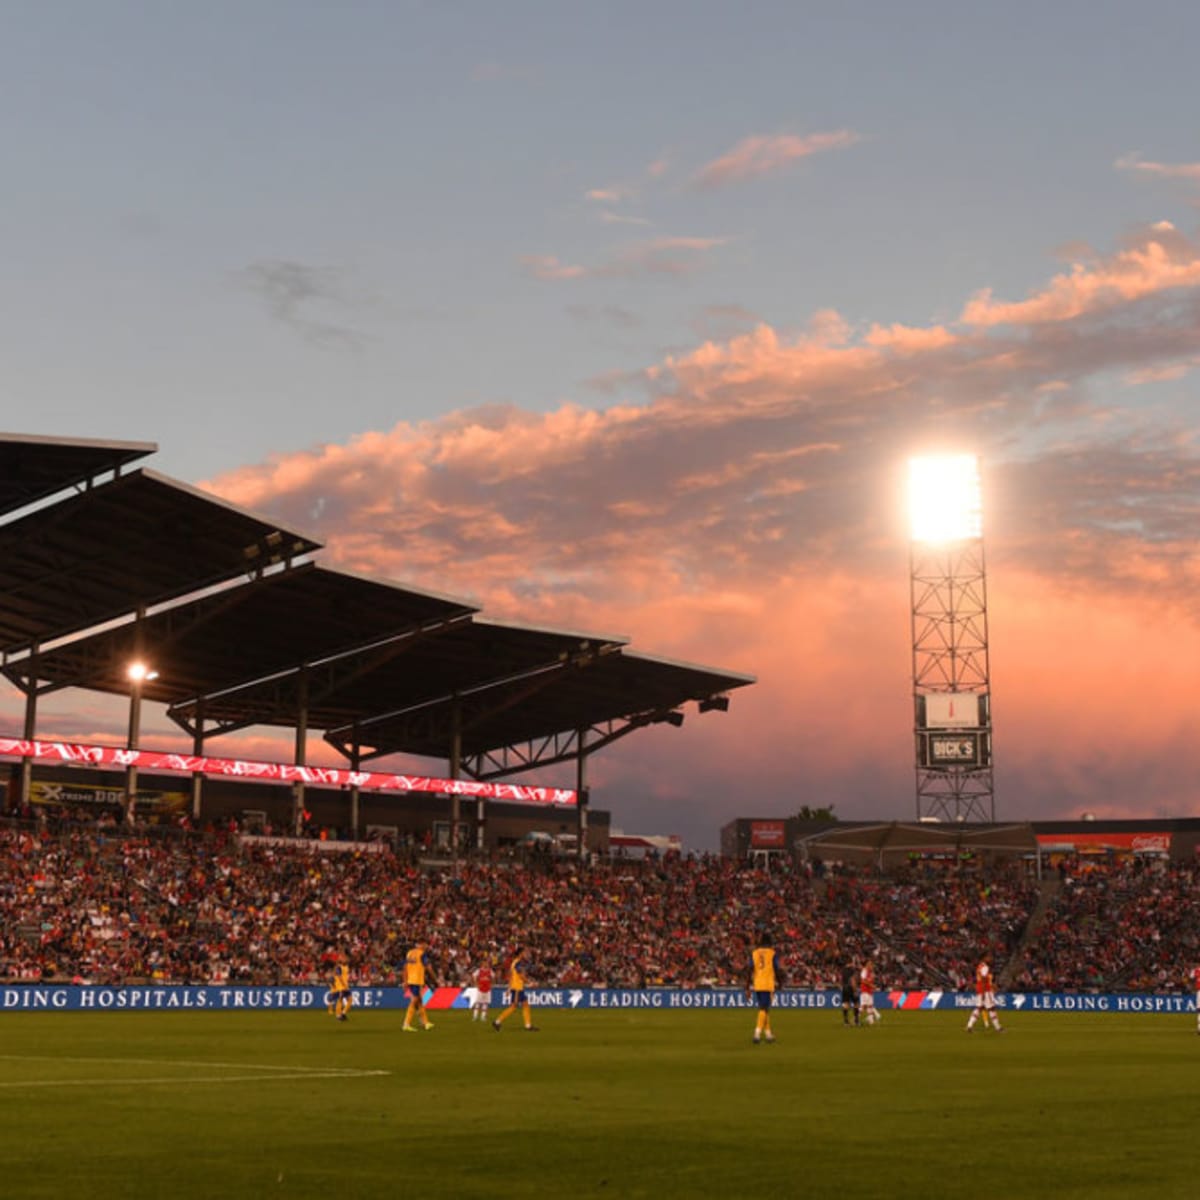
point(263, 1073)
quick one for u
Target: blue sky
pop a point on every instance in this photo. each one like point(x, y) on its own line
point(306, 246)
point(410, 157)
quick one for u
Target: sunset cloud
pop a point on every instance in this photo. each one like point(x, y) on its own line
point(745, 510)
point(767, 154)
point(547, 266)
point(1134, 162)
point(904, 339)
point(1159, 259)
point(607, 195)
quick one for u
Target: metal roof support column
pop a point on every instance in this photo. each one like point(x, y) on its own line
point(30, 727)
point(480, 824)
point(581, 797)
point(136, 682)
point(301, 750)
point(198, 751)
point(455, 773)
point(355, 762)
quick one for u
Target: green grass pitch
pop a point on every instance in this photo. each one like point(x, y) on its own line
point(613, 1104)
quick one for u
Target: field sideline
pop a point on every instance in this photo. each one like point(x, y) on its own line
point(619, 1104)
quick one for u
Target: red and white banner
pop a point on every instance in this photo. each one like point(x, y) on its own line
point(377, 781)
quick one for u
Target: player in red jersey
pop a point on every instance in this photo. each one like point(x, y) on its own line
point(985, 999)
point(483, 993)
point(866, 994)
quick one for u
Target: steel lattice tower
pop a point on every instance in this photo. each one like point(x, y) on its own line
point(951, 679)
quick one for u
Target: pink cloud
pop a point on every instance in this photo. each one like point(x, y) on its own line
point(1134, 162)
point(1166, 373)
point(1159, 259)
point(904, 339)
point(767, 154)
point(546, 266)
point(607, 195)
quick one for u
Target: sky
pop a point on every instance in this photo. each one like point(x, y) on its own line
point(626, 318)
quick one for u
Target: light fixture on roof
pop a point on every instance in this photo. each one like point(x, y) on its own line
point(672, 718)
point(714, 704)
point(140, 672)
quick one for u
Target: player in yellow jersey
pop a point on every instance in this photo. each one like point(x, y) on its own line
point(762, 984)
point(416, 976)
point(518, 967)
point(339, 990)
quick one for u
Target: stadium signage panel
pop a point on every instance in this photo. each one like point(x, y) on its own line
point(156, 760)
point(951, 749)
point(42, 791)
point(316, 845)
point(1146, 843)
point(768, 835)
point(43, 997)
point(952, 710)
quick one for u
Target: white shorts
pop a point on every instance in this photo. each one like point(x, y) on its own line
point(985, 1000)
point(866, 999)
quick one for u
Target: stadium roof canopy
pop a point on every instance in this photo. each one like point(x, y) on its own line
point(879, 841)
point(138, 540)
point(242, 630)
point(597, 687)
point(471, 666)
point(32, 468)
point(274, 624)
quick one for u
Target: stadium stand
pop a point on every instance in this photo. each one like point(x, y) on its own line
point(120, 580)
point(82, 902)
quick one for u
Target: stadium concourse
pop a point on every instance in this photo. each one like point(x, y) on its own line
point(121, 581)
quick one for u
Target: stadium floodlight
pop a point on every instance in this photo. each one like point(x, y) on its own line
point(951, 675)
point(139, 672)
point(944, 498)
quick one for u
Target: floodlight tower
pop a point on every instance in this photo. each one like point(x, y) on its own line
point(951, 681)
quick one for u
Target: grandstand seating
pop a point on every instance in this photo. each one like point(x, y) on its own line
point(83, 902)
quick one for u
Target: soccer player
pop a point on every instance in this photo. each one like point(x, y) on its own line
point(339, 990)
point(849, 994)
point(483, 992)
point(416, 975)
point(762, 984)
point(866, 993)
point(518, 968)
point(985, 999)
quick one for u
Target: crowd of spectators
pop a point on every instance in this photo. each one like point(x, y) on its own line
point(113, 905)
point(1115, 925)
point(119, 905)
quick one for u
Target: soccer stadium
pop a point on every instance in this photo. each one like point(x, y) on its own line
point(207, 963)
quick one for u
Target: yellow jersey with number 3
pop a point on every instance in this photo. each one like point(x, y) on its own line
point(764, 969)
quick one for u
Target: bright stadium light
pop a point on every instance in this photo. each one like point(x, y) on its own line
point(944, 498)
point(139, 672)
